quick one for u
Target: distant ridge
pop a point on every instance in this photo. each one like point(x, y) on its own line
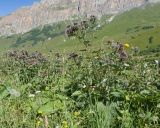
point(50, 11)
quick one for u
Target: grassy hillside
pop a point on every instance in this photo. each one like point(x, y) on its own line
point(136, 26)
point(139, 27)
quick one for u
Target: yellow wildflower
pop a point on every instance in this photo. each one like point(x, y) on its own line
point(126, 45)
point(40, 112)
point(38, 123)
point(76, 113)
point(65, 124)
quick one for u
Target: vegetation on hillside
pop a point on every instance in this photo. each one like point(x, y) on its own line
point(110, 84)
point(98, 89)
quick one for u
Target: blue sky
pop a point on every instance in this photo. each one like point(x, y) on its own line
point(8, 6)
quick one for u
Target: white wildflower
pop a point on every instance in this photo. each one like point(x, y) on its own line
point(13, 92)
point(31, 95)
point(103, 81)
point(38, 92)
point(145, 65)
point(157, 62)
point(84, 86)
point(126, 65)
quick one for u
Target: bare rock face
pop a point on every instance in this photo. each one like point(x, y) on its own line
point(50, 11)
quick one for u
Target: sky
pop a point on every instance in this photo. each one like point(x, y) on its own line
point(8, 6)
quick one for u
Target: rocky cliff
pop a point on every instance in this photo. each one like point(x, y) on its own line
point(49, 11)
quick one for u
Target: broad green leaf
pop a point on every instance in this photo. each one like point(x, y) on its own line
point(145, 92)
point(47, 108)
point(76, 93)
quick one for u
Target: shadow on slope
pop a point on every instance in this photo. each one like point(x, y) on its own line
point(40, 34)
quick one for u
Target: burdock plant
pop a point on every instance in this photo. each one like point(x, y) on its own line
point(80, 29)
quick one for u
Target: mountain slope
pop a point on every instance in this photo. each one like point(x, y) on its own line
point(49, 11)
point(136, 27)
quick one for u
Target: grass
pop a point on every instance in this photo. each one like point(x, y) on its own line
point(95, 90)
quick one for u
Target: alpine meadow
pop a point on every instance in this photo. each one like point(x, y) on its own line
point(81, 64)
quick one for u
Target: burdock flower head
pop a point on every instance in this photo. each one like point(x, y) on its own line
point(92, 19)
point(84, 25)
point(71, 30)
point(120, 50)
